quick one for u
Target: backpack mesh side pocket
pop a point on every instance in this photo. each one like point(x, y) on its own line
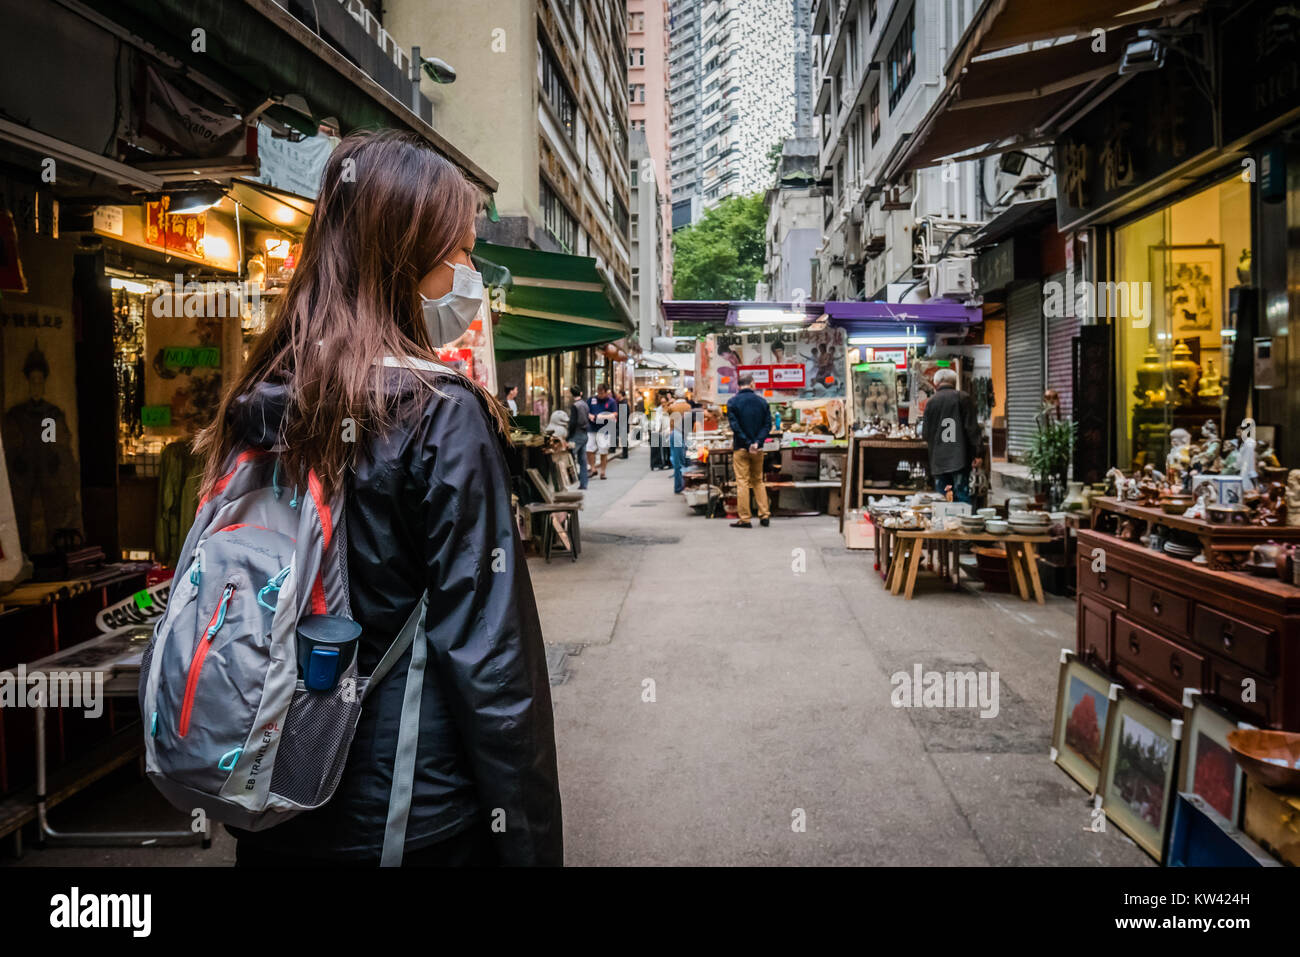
point(318, 731)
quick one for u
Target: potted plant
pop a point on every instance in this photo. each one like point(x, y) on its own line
point(1051, 449)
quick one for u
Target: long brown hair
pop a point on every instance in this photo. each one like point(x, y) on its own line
point(390, 209)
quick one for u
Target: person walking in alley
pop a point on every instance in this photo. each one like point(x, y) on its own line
point(681, 422)
point(603, 410)
point(512, 393)
point(751, 421)
point(579, 434)
point(952, 434)
point(345, 388)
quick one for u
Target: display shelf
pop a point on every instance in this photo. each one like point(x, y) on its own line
point(1225, 546)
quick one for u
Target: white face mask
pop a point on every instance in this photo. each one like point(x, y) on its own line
point(447, 318)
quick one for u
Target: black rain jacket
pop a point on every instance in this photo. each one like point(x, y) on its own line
point(428, 506)
point(960, 449)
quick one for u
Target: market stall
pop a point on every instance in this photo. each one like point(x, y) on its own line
point(1188, 641)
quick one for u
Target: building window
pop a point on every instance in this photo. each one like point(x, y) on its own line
point(620, 216)
point(874, 105)
point(554, 89)
point(557, 219)
point(636, 92)
point(636, 23)
point(638, 124)
point(636, 56)
point(902, 60)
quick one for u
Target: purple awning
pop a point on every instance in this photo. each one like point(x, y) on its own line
point(850, 314)
point(842, 313)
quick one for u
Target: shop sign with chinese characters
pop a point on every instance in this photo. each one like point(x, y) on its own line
point(1155, 124)
point(181, 233)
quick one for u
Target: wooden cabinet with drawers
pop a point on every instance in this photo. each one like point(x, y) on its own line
point(1162, 624)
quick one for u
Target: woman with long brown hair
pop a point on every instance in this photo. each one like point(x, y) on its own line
point(345, 382)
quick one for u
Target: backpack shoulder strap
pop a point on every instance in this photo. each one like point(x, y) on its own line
point(404, 639)
point(408, 731)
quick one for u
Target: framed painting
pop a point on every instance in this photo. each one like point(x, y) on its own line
point(1207, 767)
point(1136, 786)
point(1082, 703)
point(1187, 283)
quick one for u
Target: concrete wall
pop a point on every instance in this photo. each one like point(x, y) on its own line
point(490, 111)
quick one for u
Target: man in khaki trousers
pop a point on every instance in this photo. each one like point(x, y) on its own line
point(751, 421)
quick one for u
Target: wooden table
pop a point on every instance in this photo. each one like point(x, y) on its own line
point(906, 561)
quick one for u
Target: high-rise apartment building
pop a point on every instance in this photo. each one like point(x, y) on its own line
point(648, 49)
point(540, 99)
point(731, 79)
point(650, 240)
point(803, 68)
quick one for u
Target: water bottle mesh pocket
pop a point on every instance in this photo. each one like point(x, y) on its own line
point(317, 734)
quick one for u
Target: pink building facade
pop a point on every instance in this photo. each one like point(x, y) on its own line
point(648, 110)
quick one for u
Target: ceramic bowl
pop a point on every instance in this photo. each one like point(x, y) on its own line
point(1030, 518)
point(1020, 528)
point(996, 527)
point(987, 512)
point(1271, 757)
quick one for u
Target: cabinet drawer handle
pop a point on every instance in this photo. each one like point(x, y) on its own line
point(1155, 604)
point(1133, 645)
point(1102, 582)
point(1227, 638)
point(1175, 666)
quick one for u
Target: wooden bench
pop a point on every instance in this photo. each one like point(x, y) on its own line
point(553, 505)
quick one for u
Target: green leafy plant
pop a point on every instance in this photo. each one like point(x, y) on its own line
point(721, 256)
point(1051, 449)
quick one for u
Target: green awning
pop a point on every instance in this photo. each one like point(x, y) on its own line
point(552, 302)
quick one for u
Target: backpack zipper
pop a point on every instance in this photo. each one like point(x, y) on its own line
point(200, 655)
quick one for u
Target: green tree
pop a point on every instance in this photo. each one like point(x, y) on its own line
point(774, 157)
point(721, 256)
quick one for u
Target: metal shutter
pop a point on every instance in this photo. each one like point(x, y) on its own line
point(1060, 355)
point(1024, 364)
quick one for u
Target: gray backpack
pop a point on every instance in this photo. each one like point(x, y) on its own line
point(229, 726)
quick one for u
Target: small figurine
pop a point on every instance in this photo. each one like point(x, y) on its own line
point(1246, 458)
point(1293, 497)
point(1180, 450)
point(1209, 453)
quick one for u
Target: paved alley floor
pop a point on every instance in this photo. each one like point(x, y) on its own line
point(729, 684)
point(717, 686)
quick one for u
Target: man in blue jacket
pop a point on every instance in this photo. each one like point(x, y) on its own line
point(751, 421)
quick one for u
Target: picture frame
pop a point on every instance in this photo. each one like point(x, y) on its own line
point(1207, 767)
point(1078, 730)
point(1138, 770)
point(1187, 282)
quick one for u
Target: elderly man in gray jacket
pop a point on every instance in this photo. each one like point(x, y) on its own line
point(952, 432)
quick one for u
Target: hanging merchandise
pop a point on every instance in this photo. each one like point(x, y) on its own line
point(179, 474)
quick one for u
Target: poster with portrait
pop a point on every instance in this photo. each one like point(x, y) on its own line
point(822, 354)
point(813, 361)
point(40, 423)
point(875, 393)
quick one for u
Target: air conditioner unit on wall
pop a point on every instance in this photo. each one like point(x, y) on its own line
point(951, 279)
